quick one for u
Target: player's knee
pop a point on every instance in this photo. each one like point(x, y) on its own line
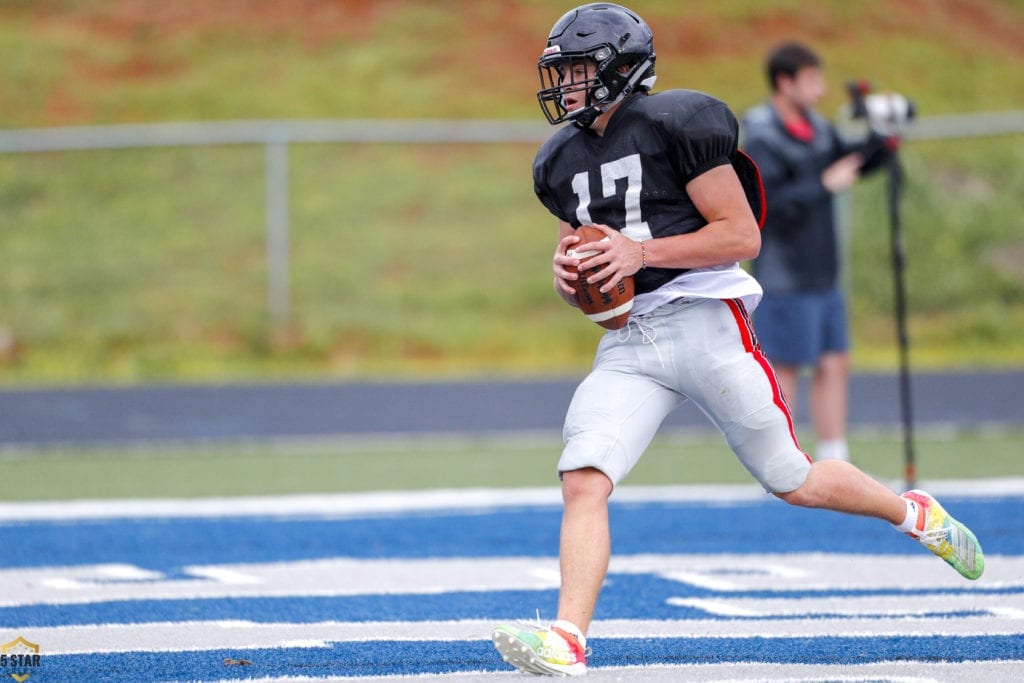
point(806, 496)
point(585, 484)
point(825, 483)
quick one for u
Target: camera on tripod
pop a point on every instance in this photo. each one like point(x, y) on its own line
point(885, 113)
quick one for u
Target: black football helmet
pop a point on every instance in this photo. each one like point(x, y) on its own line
point(616, 42)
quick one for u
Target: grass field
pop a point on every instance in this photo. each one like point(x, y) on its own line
point(502, 461)
point(420, 261)
point(111, 276)
point(141, 265)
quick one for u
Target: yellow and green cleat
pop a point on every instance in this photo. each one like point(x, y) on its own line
point(551, 651)
point(938, 531)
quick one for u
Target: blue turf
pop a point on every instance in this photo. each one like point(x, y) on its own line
point(169, 546)
point(625, 597)
point(424, 657)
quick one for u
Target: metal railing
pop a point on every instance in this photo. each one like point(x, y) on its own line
point(276, 136)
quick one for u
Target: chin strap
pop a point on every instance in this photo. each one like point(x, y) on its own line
point(586, 117)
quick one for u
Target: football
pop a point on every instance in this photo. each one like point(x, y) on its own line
point(611, 309)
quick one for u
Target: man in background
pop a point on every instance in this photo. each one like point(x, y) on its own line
point(802, 321)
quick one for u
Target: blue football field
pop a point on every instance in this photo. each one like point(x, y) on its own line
point(706, 583)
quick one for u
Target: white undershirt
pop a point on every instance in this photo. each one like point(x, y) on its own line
point(720, 282)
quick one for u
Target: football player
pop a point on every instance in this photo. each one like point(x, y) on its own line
point(660, 176)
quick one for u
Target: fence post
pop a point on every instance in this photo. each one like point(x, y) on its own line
point(277, 227)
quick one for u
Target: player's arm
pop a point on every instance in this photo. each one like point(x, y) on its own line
point(564, 266)
point(730, 235)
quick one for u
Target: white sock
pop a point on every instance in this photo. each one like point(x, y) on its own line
point(833, 449)
point(910, 521)
point(572, 630)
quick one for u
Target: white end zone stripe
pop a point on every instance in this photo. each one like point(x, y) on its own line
point(216, 635)
point(389, 502)
point(357, 504)
point(730, 577)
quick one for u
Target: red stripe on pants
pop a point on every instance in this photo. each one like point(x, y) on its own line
point(746, 330)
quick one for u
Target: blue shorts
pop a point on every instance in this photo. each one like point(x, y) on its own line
point(796, 329)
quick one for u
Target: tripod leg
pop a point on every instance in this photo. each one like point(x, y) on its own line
point(899, 267)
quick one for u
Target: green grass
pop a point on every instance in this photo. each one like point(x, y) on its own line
point(963, 273)
point(149, 265)
point(410, 464)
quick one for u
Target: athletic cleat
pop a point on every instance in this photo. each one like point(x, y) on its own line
point(949, 539)
point(542, 651)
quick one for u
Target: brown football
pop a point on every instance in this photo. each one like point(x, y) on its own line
point(611, 309)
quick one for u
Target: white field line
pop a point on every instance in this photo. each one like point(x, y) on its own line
point(395, 502)
point(889, 672)
point(819, 579)
point(217, 635)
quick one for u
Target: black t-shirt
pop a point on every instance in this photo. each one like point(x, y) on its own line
point(633, 178)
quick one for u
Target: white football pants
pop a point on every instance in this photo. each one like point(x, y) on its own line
point(703, 350)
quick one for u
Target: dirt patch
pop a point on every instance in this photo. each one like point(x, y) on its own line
point(501, 33)
point(485, 45)
point(313, 21)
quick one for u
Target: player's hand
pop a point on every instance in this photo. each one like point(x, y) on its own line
point(843, 173)
point(620, 256)
point(565, 269)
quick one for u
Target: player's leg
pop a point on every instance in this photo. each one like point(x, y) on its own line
point(789, 383)
point(585, 544)
point(613, 416)
point(731, 380)
point(840, 486)
point(828, 405)
point(830, 382)
point(759, 429)
point(584, 551)
point(610, 422)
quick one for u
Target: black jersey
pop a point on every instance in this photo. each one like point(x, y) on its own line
point(633, 178)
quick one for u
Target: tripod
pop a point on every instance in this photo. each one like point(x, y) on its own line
point(895, 190)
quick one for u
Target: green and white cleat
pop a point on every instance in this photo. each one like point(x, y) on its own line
point(543, 651)
point(938, 531)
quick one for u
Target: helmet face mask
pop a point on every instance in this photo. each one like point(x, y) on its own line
point(598, 52)
point(571, 78)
